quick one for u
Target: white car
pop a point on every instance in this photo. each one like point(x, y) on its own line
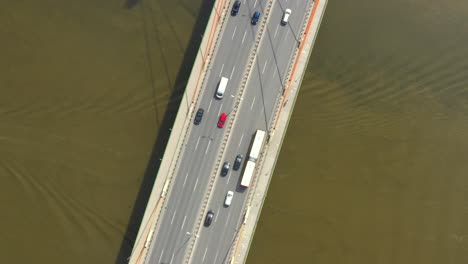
point(229, 196)
point(286, 15)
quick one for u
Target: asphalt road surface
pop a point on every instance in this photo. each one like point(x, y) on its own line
point(256, 112)
point(198, 160)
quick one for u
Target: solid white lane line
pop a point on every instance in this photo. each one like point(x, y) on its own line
point(264, 66)
point(222, 67)
point(196, 183)
point(243, 38)
point(230, 77)
point(204, 254)
point(173, 217)
point(240, 141)
point(209, 106)
point(198, 141)
point(234, 33)
point(253, 102)
point(183, 223)
point(185, 179)
point(162, 253)
point(276, 31)
point(219, 111)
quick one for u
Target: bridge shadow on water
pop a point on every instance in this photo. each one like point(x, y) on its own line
point(164, 128)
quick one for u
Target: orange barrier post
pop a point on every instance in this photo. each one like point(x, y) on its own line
point(288, 86)
point(210, 42)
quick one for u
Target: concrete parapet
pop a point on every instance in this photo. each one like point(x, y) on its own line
point(281, 118)
point(182, 125)
point(179, 132)
point(227, 132)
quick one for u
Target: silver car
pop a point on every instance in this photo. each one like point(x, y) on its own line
point(228, 200)
point(286, 15)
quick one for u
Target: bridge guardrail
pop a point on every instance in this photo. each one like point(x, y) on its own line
point(207, 62)
point(139, 253)
point(260, 163)
point(209, 57)
point(280, 98)
point(226, 135)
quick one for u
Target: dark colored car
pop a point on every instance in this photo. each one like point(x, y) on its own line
point(235, 8)
point(237, 162)
point(225, 169)
point(222, 120)
point(255, 18)
point(198, 116)
point(209, 218)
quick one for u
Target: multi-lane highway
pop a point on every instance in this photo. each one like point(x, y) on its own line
point(265, 84)
point(188, 189)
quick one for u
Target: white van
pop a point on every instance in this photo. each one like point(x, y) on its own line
point(286, 15)
point(221, 87)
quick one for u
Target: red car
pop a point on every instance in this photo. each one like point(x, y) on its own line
point(222, 120)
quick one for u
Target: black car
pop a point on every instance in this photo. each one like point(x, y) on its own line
point(198, 116)
point(209, 218)
point(255, 18)
point(225, 169)
point(237, 162)
point(235, 8)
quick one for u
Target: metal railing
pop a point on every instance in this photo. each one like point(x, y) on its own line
point(260, 163)
point(226, 135)
point(182, 141)
point(280, 97)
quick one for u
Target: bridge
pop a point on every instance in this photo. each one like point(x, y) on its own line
point(265, 64)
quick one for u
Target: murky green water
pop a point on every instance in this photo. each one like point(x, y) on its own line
point(379, 136)
point(379, 142)
point(83, 91)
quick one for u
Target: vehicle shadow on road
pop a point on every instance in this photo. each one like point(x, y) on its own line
point(164, 130)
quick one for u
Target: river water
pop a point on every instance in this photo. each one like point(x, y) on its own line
point(83, 92)
point(373, 168)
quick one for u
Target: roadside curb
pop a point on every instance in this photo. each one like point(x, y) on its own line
point(179, 132)
point(227, 133)
point(272, 149)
